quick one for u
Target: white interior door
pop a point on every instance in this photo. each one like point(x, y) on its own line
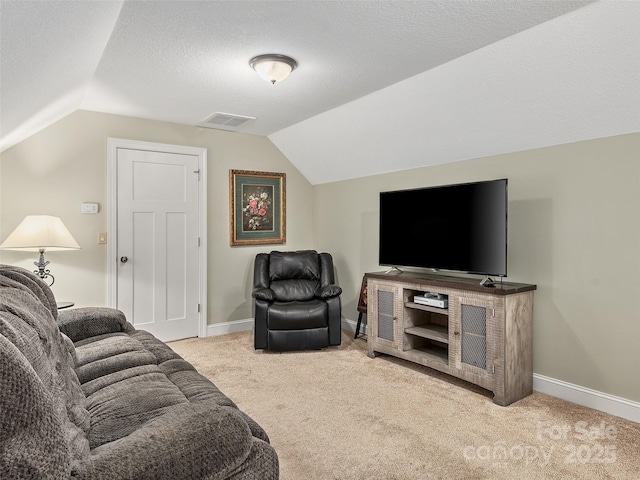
point(158, 241)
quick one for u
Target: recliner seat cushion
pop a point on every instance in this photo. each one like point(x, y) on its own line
point(297, 315)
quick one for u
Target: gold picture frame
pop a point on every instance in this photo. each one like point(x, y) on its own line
point(257, 208)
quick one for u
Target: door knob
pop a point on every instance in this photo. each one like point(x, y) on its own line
point(124, 259)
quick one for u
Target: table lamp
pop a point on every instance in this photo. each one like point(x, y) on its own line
point(39, 233)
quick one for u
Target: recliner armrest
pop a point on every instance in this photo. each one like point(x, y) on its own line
point(263, 294)
point(81, 323)
point(328, 291)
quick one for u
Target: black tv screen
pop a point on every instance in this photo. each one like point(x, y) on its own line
point(459, 227)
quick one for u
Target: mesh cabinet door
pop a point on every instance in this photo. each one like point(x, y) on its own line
point(474, 335)
point(385, 315)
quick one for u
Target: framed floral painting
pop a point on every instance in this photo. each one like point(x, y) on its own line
point(257, 203)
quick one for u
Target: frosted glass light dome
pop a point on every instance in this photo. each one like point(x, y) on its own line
point(273, 67)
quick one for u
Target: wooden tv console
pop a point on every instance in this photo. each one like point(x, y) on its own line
point(484, 336)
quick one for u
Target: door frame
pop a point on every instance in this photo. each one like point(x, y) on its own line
point(113, 144)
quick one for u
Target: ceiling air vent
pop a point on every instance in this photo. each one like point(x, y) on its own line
point(225, 121)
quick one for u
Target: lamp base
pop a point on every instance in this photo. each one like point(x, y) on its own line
point(42, 272)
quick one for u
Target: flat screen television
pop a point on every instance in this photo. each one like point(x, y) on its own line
point(460, 227)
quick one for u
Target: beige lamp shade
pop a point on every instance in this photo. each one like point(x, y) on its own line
point(40, 232)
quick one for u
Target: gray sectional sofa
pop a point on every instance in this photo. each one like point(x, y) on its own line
point(85, 395)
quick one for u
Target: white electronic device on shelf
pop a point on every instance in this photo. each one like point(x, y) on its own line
point(437, 300)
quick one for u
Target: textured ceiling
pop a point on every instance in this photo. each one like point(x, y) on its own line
point(374, 77)
point(574, 78)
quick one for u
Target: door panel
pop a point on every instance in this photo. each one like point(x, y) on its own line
point(142, 271)
point(176, 266)
point(157, 197)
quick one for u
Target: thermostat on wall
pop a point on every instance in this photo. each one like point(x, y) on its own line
point(90, 208)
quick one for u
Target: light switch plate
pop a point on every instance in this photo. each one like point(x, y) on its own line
point(102, 238)
point(90, 208)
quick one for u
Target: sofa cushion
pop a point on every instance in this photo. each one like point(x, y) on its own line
point(40, 365)
point(119, 373)
point(141, 412)
point(24, 280)
point(31, 438)
point(192, 441)
point(110, 353)
point(104, 346)
point(121, 408)
point(103, 381)
point(160, 349)
point(86, 322)
point(197, 388)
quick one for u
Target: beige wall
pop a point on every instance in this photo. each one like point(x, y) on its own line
point(57, 169)
point(574, 230)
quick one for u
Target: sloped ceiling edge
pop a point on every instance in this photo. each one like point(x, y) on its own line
point(570, 79)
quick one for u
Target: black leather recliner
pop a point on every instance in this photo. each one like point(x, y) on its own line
point(297, 302)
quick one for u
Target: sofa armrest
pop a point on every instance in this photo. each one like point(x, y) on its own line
point(81, 323)
point(328, 291)
point(194, 441)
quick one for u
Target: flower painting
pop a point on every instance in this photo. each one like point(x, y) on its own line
point(258, 211)
point(257, 207)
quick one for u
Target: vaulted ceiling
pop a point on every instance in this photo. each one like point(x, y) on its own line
point(381, 85)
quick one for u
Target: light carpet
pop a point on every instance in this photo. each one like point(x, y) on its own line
point(338, 414)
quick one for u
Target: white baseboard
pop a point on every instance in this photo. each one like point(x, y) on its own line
point(229, 327)
point(618, 406)
point(350, 326)
point(247, 324)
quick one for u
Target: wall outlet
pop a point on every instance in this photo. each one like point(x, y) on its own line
point(90, 208)
point(102, 238)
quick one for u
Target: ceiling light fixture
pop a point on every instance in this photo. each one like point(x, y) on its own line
point(273, 67)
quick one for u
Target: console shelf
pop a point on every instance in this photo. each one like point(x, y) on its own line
point(430, 354)
point(483, 337)
point(426, 308)
point(439, 333)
